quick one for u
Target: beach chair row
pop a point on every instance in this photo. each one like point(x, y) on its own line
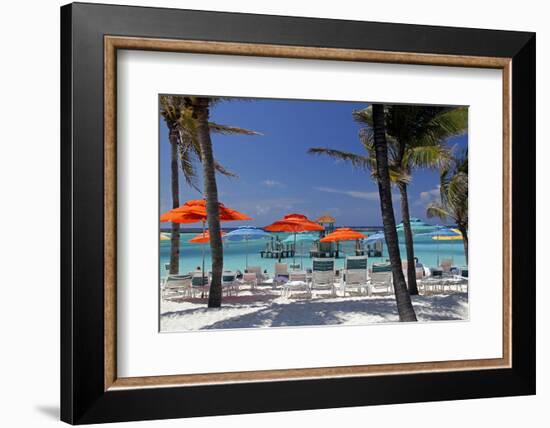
point(355, 278)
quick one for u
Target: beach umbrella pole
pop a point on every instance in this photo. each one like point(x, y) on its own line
point(203, 252)
point(246, 243)
point(294, 250)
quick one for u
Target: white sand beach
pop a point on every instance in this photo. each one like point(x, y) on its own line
point(264, 308)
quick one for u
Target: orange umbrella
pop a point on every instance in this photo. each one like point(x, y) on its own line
point(194, 211)
point(203, 238)
point(343, 234)
point(294, 223)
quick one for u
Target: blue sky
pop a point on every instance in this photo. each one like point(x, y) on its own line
point(277, 176)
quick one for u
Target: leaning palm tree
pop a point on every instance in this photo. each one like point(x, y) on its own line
point(200, 111)
point(454, 196)
point(183, 137)
point(416, 136)
point(171, 110)
point(384, 175)
point(402, 297)
point(198, 116)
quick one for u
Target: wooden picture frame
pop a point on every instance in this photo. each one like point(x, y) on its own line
point(91, 390)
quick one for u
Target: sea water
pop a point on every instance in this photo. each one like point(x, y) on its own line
point(427, 250)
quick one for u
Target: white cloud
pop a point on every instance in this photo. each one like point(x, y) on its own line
point(273, 206)
point(430, 195)
point(371, 196)
point(273, 183)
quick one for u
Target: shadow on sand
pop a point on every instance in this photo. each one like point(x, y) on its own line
point(314, 312)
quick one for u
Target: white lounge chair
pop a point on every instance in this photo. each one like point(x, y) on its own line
point(297, 281)
point(260, 277)
point(230, 285)
point(322, 275)
point(176, 286)
point(356, 275)
point(251, 279)
point(200, 282)
point(281, 274)
point(380, 282)
point(446, 265)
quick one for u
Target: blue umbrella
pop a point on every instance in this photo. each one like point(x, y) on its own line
point(301, 238)
point(246, 233)
point(378, 236)
point(440, 231)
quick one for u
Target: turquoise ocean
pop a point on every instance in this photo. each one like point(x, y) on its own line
point(234, 253)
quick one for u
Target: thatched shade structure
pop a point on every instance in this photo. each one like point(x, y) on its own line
point(327, 221)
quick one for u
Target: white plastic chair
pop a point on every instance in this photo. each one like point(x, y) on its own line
point(380, 281)
point(297, 282)
point(251, 279)
point(176, 285)
point(200, 282)
point(281, 274)
point(356, 275)
point(322, 275)
point(230, 284)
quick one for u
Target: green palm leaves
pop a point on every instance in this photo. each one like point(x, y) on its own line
point(178, 115)
point(454, 195)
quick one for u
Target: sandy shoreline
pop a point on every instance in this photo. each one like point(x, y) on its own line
point(263, 308)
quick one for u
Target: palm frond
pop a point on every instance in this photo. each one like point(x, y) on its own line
point(451, 122)
point(224, 171)
point(437, 210)
point(230, 130)
point(435, 156)
point(356, 160)
point(363, 117)
point(188, 166)
point(457, 191)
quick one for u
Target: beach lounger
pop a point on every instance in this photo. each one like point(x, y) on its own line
point(322, 275)
point(356, 277)
point(380, 282)
point(419, 270)
point(260, 277)
point(297, 281)
point(250, 278)
point(381, 267)
point(281, 274)
point(446, 265)
point(200, 283)
point(176, 286)
point(230, 285)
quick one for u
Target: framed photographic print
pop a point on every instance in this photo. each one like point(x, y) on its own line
point(266, 213)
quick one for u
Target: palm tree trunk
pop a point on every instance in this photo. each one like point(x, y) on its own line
point(402, 297)
point(409, 245)
point(464, 232)
point(175, 235)
point(201, 113)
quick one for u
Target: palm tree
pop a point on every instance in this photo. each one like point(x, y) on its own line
point(171, 110)
point(402, 297)
point(199, 109)
point(416, 135)
point(183, 137)
point(454, 196)
point(384, 175)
